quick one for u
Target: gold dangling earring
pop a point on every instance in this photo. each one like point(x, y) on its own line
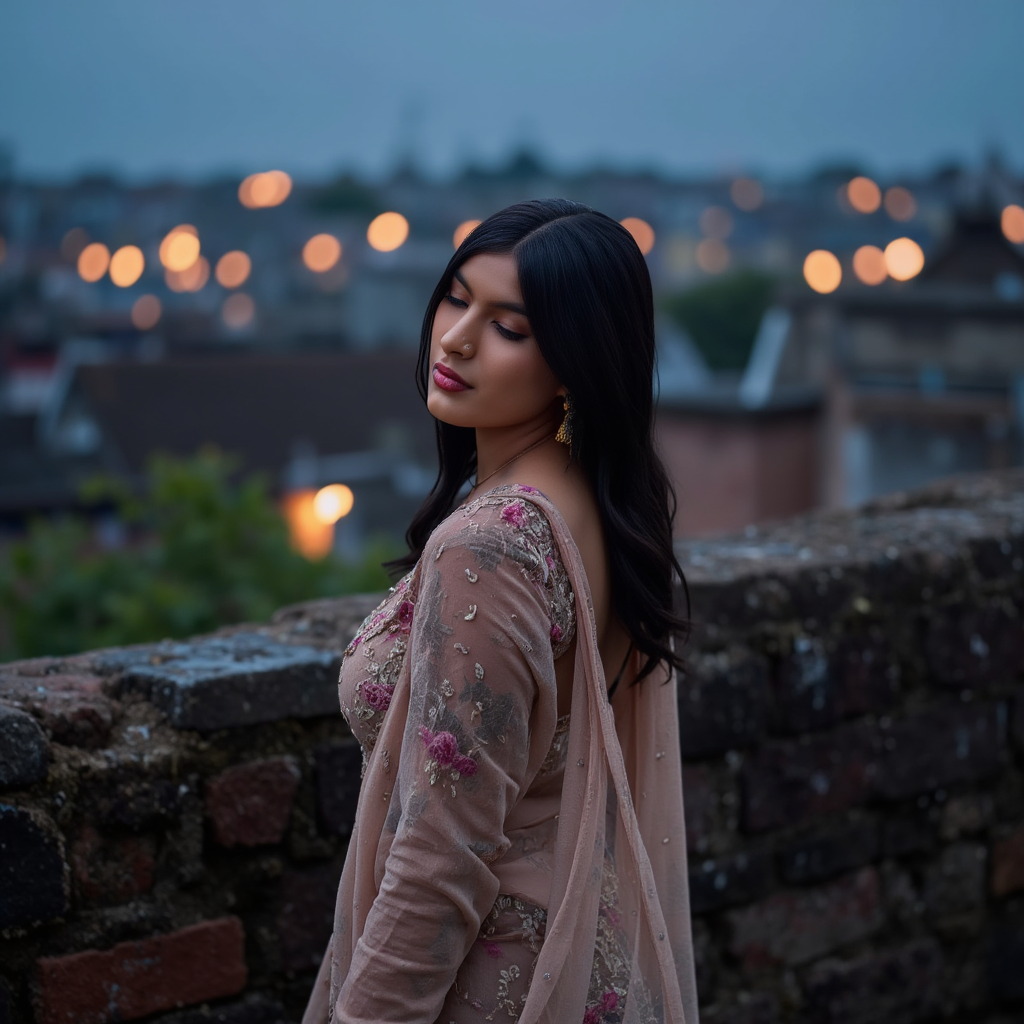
point(564, 435)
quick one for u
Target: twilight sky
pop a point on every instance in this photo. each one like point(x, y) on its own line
point(196, 87)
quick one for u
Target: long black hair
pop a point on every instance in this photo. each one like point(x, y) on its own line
point(588, 298)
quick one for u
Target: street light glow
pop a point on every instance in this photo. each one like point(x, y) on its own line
point(321, 253)
point(822, 271)
point(126, 266)
point(904, 259)
point(93, 261)
point(642, 232)
point(333, 502)
point(387, 232)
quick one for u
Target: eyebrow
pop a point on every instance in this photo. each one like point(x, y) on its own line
point(512, 307)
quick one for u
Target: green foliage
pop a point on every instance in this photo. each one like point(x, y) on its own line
point(346, 195)
point(205, 551)
point(722, 317)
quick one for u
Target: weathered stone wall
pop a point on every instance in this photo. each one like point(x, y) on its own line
point(173, 817)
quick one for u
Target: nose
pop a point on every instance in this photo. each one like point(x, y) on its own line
point(458, 340)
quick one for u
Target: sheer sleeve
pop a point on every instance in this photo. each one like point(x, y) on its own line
point(481, 717)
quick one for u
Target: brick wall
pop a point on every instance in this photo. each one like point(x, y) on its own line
point(173, 817)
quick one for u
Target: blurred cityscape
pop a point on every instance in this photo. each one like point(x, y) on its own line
point(822, 341)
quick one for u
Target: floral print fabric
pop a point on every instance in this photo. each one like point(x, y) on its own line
point(498, 868)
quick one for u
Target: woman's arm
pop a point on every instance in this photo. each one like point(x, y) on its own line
point(480, 647)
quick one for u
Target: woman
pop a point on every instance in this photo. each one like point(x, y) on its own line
point(519, 850)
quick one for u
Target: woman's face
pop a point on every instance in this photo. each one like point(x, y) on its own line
point(485, 367)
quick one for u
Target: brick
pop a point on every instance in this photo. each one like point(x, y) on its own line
point(229, 681)
point(974, 647)
point(24, 751)
point(34, 880)
point(134, 979)
point(1017, 719)
point(1008, 863)
point(955, 883)
point(992, 555)
point(938, 747)
point(699, 806)
point(798, 926)
point(791, 782)
point(124, 799)
point(251, 804)
point(757, 1008)
point(830, 851)
point(72, 708)
point(818, 684)
point(902, 986)
point(723, 703)
point(112, 869)
point(705, 962)
point(966, 815)
point(805, 687)
point(729, 881)
point(908, 833)
point(305, 915)
point(338, 777)
point(253, 1009)
point(870, 675)
point(1006, 955)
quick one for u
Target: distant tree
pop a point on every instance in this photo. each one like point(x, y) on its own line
point(204, 551)
point(346, 195)
point(722, 317)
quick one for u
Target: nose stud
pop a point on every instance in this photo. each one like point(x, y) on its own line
point(467, 346)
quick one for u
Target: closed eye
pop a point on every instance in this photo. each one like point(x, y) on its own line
point(457, 303)
point(506, 333)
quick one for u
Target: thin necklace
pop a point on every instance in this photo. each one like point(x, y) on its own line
point(536, 444)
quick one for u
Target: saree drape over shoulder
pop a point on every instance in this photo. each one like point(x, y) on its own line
point(506, 863)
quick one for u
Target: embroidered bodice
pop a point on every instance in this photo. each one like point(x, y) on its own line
point(506, 863)
point(373, 660)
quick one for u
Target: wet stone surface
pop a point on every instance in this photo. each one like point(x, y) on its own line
point(226, 682)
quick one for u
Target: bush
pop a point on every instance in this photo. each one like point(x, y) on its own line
point(203, 551)
point(722, 318)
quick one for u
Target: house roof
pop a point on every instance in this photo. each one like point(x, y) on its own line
point(258, 407)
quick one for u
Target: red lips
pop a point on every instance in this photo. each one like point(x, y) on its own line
point(448, 379)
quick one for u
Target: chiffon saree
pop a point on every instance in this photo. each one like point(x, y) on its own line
point(455, 779)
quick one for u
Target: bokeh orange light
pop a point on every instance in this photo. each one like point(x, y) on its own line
point(3, 250)
point(387, 232)
point(233, 269)
point(321, 253)
point(463, 231)
point(822, 271)
point(716, 222)
point(72, 244)
point(270, 188)
point(333, 502)
point(309, 534)
point(869, 265)
point(712, 255)
point(900, 203)
point(904, 259)
point(126, 266)
point(747, 194)
point(863, 195)
point(642, 232)
point(1012, 222)
point(180, 248)
point(93, 261)
point(191, 280)
point(146, 312)
point(238, 311)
